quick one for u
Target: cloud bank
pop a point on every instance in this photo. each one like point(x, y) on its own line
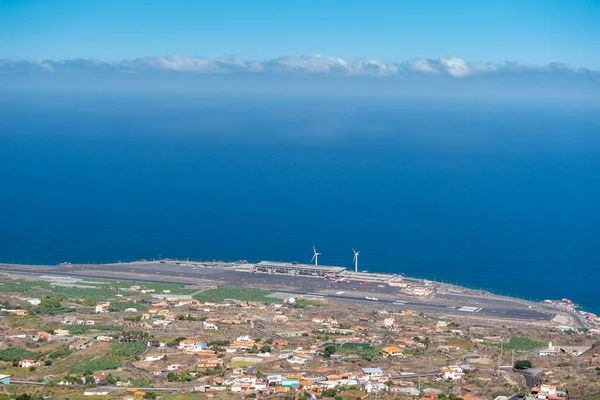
point(451, 67)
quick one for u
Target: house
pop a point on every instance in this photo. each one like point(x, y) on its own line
point(154, 358)
point(388, 322)
point(210, 327)
point(102, 307)
point(281, 318)
point(19, 312)
point(61, 332)
point(44, 336)
point(96, 392)
point(99, 377)
point(34, 302)
point(190, 345)
point(103, 338)
point(80, 345)
point(244, 339)
point(173, 367)
point(297, 360)
point(372, 372)
point(293, 334)
point(210, 363)
point(27, 363)
point(280, 342)
point(391, 351)
point(452, 373)
point(131, 309)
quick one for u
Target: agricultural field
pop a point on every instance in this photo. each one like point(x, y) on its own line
point(15, 354)
point(243, 294)
point(81, 329)
point(96, 365)
point(127, 349)
point(98, 290)
point(522, 343)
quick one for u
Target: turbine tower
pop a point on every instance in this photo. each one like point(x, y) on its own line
point(315, 256)
point(355, 259)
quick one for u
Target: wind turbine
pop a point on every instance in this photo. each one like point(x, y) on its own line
point(315, 256)
point(355, 259)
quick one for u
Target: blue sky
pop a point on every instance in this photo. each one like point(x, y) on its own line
point(526, 31)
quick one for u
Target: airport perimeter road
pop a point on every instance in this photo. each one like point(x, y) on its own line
point(297, 285)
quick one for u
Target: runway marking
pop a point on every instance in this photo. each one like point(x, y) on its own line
point(339, 292)
point(400, 302)
point(468, 309)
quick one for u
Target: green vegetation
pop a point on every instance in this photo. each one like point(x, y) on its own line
point(127, 349)
point(365, 353)
point(95, 365)
point(303, 303)
point(81, 329)
point(243, 363)
point(98, 290)
point(522, 343)
point(243, 294)
point(60, 352)
point(14, 354)
point(522, 364)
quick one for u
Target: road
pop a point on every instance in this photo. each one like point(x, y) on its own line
point(297, 285)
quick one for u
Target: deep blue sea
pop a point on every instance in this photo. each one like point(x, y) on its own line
point(496, 195)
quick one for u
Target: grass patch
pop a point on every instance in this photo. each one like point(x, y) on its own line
point(243, 363)
point(127, 349)
point(95, 365)
point(243, 294)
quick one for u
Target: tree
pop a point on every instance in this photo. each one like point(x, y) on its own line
point(50, 302)
point(329, 351)
point(265, 349)
point(522, 364)
point(172, 377)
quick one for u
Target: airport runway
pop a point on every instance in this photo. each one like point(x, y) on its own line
point(298, 285)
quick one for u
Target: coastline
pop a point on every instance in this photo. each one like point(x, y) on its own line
point(426, 295)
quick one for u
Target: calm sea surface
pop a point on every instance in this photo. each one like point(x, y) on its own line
point(489, 195)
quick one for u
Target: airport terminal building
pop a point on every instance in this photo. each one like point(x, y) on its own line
point(274, 267)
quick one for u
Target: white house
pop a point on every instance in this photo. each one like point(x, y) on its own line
point(210, 327)
point(452, 373)
point(28, 363)
point(244, 339)
point(297, 360)
point(154, 358)
point(373, 372)
point(190, 345)
point(173, 367)
point(102, 307)
point(35, 302)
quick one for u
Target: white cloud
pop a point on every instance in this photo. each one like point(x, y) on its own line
point(450, 67)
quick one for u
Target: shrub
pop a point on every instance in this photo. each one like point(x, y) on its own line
point(522, 364)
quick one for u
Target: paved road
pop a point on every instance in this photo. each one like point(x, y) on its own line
point(298, 285)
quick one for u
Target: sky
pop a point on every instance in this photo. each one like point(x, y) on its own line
point(537, 32)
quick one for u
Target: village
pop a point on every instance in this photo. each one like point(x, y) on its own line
point(126, 340)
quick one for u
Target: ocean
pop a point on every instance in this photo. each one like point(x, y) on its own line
point(498, 195)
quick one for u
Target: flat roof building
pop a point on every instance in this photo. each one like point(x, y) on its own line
point(274, 267)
